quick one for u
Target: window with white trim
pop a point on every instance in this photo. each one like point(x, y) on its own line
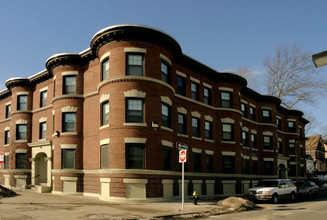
point(21, 132)
point(134, 110)
point(104, 113)
point(226, 99)
point(21, 102)
point(228, 132)
point(69, 122)
point(43, 98)
point(134, 65)
point(182, 124)
point(165, 72)
point(105, 69)
point(135, 156)
point(104, 160)
point(196, 127)
point(69, 85)
point(43, 130)
point(194, 91)
point(68, 158)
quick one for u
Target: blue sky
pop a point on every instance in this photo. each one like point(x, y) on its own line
point(222, 34)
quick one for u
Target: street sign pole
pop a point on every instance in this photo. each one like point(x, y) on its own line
point(183, 186)
point(182, 159)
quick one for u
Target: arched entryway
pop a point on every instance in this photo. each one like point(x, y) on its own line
point(41, 168)
point(282, 171)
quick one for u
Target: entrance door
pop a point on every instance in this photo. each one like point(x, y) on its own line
point(41, 168)
point(282, 171)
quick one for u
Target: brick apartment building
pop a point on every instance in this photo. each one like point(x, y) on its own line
point(105, 122)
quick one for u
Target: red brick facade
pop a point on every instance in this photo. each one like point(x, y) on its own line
point(139, 159)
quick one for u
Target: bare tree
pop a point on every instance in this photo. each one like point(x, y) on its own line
point(324, 132)
point(248, 75)
point(292, 77)
point(313, 126)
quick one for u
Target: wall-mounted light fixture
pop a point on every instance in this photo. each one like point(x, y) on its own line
point(56, 134)
point(155, 125)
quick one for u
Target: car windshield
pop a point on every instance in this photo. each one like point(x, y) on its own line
point(304, 184)
point(268, 183)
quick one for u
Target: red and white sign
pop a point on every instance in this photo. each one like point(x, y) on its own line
point(2, 157)
point(182, 156)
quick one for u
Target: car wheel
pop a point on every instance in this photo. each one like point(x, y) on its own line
point(292, 196)
point(275, 199)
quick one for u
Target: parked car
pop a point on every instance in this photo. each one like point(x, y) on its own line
point(306, 188)
point(273, 190)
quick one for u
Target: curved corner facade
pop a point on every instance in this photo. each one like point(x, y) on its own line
point(105, 123)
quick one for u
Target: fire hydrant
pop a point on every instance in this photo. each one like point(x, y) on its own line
point(195, 198)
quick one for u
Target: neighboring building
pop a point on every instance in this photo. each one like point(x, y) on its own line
point(315, 146)
point(105, 122)
point(310, 165)
point(320, 59)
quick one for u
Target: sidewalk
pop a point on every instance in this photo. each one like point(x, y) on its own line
point(32, 205)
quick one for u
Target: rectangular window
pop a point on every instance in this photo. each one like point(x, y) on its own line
point(268, 167)
point(196, 127)
point(182, 124)
point(43, 98)
point(300, 132)
point(8, 111)
point(280, 147)
point(292, 148)
point(246, 166)
point(252, 114)
point(267, 142)
point(197, 162)
point(104, 156)
point(165, 116)
point(165, 72)
point(245, 139)
point(292, 170)
point(226, 99)
point(21, 132)
point(105, 69)
point(291, 126)
point(209, 163)
point(266, 116)
point(7, 137)
point(195, 91)
point(228, 132)
point(134, 111)
point(104, 113)
point(20, 160)
point(135, 158)
point(279, 123)
point(254, 141)
point(181, 88)
point(69, 122)
point(167, 158)
point(6, 162)
point(43, 130)
point(228, 164)
point(207, 96)
point(254, 167)
point(244, 109)
point(68, 158)
point(69, 85)
point(22, 102)
point(134, 64)
point(208, 130)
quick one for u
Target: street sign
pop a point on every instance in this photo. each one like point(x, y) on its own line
point(181, 146)
point(2, 157)
point(182, 156)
